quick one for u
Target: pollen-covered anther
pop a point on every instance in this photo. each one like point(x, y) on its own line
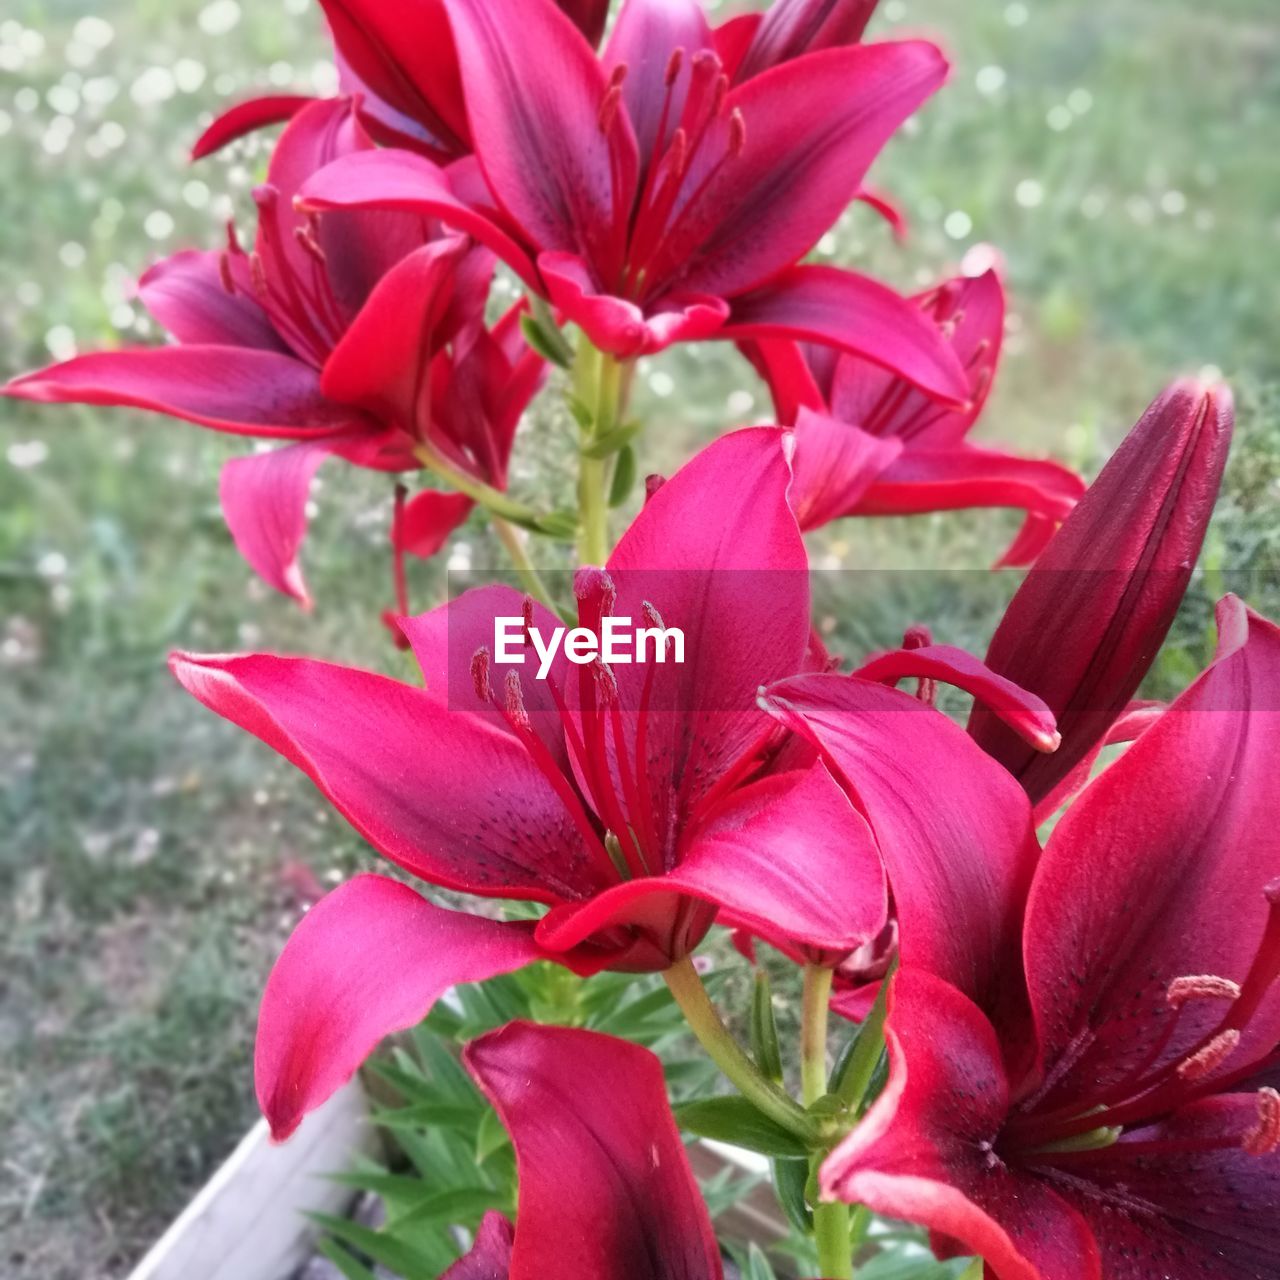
point(1264, 1137)
point(606, 682)
point(306, 237)
point(526, 614)
point(737, 133)
point(674, 64)
point(259, 274)
point(609, 106)
point(1206, 1061)
point(1201, 986)
point(516, 712)
point(480, 674)
point(917, 636)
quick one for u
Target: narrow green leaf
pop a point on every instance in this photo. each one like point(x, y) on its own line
point(736, 1120)
point(789, 1178)
point(612, 441)
point(624, 476)
point(758, 1266)
point(764, 1029)
point(548, 343)
point(490, 1136)
point(350, 1268)
point(383, 1249)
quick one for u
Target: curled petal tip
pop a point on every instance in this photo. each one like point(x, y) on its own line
point(1048, 742)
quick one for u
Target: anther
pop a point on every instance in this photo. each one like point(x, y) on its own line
point(306, 238)
point(606, 683)
point(737, 133)
point(259, 275)
point(1264, 1137)
point(526, 613)
point(1201, 986)
point(224, 270)
point(650, 614)
point(674, 63)
point(1207, 1060)
point(609, 107)
point(480, 674)
point(515, 701)
point(917, 636)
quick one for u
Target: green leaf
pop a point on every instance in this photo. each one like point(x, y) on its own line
point(758, 1266)
point(789, 1178)
point(557, 524)
point(459, 1205)
point(350, 1268)
point(612, 441)
point(764, 1029)
point(426, 1115)
point(624, 476)
point(490, 1136)
point(384, 1249)
point(736, 1120)
point(548, 342)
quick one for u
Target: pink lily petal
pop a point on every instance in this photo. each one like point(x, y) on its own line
point(606, 1192)
point(247, 117)
point(954, 829)
point(534, 96)
point(187, 295)
point(369, 959)
point(440, 791)
point(240, 390)
point(849, 311)
point(835, 465)
point(1107, 587)
point(490, 1256)
point(620, 327)
point(778, 180)
point(428, 519)
point(1171, 886)
point(1023, 712)
point(732, 40)
point(924, 1151)
point(410, 183)
point(787, 856)
point(888, 208)
point(589, 16)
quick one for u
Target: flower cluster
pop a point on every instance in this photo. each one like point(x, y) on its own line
point(1081, 1038)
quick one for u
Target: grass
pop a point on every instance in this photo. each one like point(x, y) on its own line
point(153, 858)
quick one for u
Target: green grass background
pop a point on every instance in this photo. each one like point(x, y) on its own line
point(1122, 156)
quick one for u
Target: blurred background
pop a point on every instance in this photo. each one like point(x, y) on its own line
point(152, 859)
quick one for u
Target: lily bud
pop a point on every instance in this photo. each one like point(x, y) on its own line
point(1088, 621)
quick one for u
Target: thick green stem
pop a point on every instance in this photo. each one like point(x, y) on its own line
point(830, 1220)
point(530, 579)
point(600, 386)
point(705, 1022)
point(593, 511)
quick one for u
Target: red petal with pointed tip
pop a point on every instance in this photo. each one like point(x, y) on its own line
point(246, 117)
point(240, 390)
point(835, 465)
point(1161, 865)
point(606, 1191)
point(187, 295)
point(439, 791)
point(428, 520)
point(857, 314)
point(534, 91)
point(953, 828)
point(924, 1151)
point(1091, 615)
point(369, 959)
point(1023, 712)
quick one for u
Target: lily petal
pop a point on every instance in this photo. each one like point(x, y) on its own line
point(247, 117)
point(370, 958)
point(761, 193)
point(606, 1192)
point(959, 864)
point(490, 1256)
point(187, 295)
point(790, 28)
point(235, 389)
point(534, 93)
point(857, 314)
point(439, 791)
point(924, 1151)
point(1131, 894)
point(835, 465)
point(428, 519)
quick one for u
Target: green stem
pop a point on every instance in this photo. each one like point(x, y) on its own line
point(530, 579)
point(830, 1219)
point(493, 500)
point(705, 1021)
point(600, 386)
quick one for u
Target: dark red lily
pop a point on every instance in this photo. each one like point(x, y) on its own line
point(397, 63)
point(648, 199)
point(606, 1192)
point(1090, 617)
point(356, 335)
point(633, 801)
point(869, 443)
point(1117, 1122)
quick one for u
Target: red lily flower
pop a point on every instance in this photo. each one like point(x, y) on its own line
point(398, 65)
point(752, 43)
point(606, 1192)
point(1090, 617)
point(634, 801)
point(357, 335)
point(651, 201)
point(1116, 1127)
point(868, 443)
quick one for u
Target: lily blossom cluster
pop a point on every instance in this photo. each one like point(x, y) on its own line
point(1079, 1033)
